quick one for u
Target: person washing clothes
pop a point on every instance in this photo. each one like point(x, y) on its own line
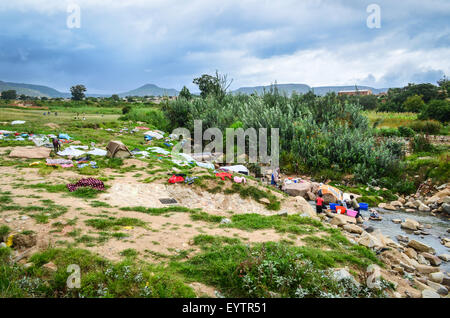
point(319, 204)
point(354, 205)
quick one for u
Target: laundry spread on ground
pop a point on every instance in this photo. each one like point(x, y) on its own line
point(87, 182)
point(63, 163)
point(223, 175)
point(176, 179)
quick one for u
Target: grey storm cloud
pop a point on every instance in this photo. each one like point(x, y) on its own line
point(124, 44)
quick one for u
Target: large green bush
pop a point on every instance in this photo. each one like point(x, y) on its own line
point(438, 110)
point(315, 132)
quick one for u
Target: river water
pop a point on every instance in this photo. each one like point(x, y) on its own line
point(439, 227)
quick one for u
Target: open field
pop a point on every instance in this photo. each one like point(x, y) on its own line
point(186, 248)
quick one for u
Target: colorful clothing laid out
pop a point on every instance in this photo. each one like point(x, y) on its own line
point(239, 180)
point(87, 182)
point(59, 162)
point(223, 175)
point(176, 179)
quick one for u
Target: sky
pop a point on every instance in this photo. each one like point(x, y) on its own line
point(121, 45)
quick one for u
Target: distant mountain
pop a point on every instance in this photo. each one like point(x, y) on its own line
point(32, 90)
point(303, 88)
point(150, 90)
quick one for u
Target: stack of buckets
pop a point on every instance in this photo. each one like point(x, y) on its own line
point(342, 210)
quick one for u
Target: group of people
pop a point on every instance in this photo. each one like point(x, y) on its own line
point(351, 204)
point(320, 202)
point(48, 113)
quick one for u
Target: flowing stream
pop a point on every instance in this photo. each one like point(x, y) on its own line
point(438, 230)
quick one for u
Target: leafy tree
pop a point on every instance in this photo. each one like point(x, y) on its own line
point(10, 94)
point(115, 97)
point(213, 85)
point(368, 102)
point(207, 84)
point(78, 92)
point(23, 97)
point(414, 104)
point(185, 93)
point(444, 84)
point(437, 109)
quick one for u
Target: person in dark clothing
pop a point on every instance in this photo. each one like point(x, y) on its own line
point(56, 145)
point(319, 203)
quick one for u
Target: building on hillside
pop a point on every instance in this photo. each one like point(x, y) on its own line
point(355, 92)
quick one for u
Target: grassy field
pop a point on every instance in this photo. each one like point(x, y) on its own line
point(155, 250)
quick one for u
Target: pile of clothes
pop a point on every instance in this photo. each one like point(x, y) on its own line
point(63, 163)
point(87, 182)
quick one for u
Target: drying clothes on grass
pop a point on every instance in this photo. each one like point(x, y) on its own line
point(71, 151)
point(97, 152)
point(190, 180)
point(17, 122)
point(87, 182)
point(154, 134)
point(59, 162)
point(240, 180)
point(142, 128)
point(92, 164)
point(64, 136)
point(176, 179)
point(238, 168)
point(223, 175)
point(158, 150)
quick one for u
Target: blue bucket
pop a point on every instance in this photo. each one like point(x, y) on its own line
point(364, 206)
point(333, 206)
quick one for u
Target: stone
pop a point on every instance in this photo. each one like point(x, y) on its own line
point(27, 265)
point(401, 200)
point(433, 259)
point(441, 290)
point(343, 274)
point(420, 247)
point(340, 219)
point(50, 266)
point(446, 207)
point(422, 260)
point(305, 208)
point(352, 228)
point(24, 217)
point(410, 224)
point(410, 205)
point(390, 207)
point(396, 221)
point(3, 244)
point(369, 240)
point(424, 208)
point(437, 277)
point(382, 205)
point(264, 200)
point(311, 196)
point(445, 257)
point(430, 293)
point(446, 281)
point(402, 238)
point(411, 252)
point(396, 204)
point(420, 285)
point(426, 269)
point(297, 189)
point(282, 213)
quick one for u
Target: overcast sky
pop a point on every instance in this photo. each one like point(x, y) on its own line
point(122, 45)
